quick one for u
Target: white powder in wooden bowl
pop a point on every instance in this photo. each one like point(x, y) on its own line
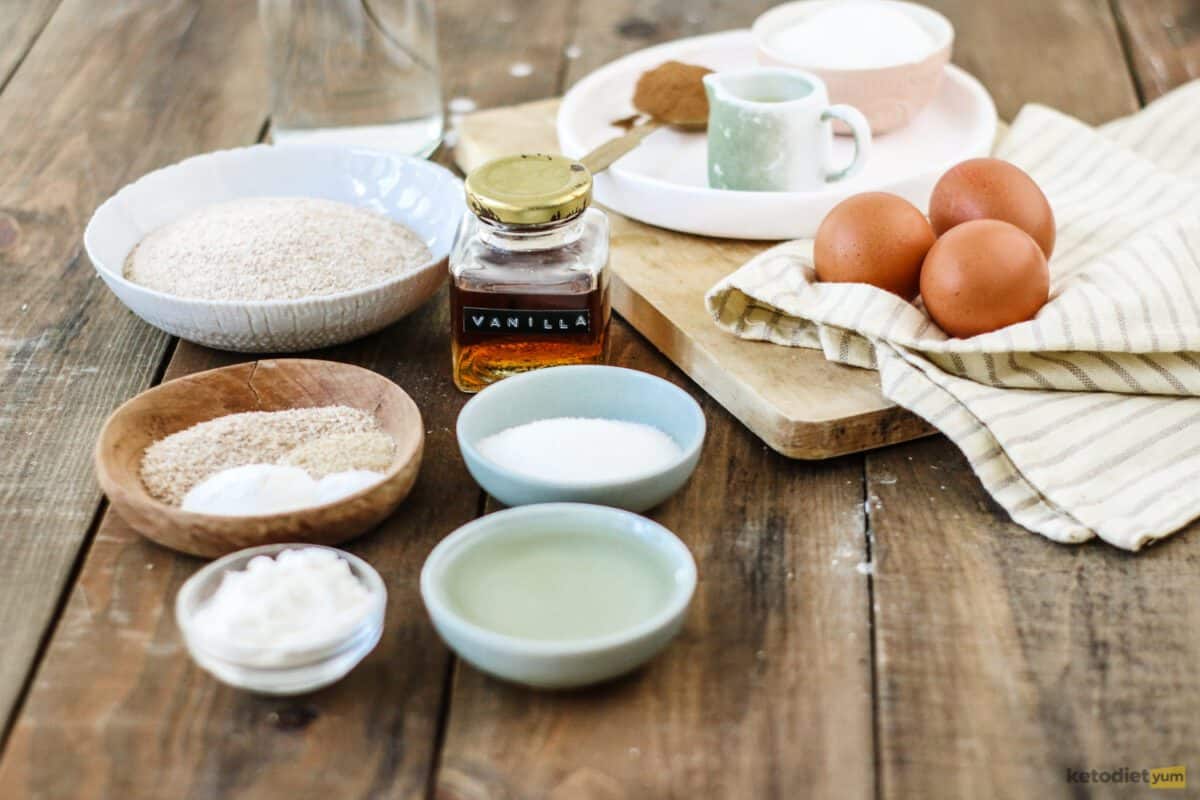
point(274, 248)
point(176, 463)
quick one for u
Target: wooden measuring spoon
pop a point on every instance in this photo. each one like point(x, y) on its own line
point(671, 94)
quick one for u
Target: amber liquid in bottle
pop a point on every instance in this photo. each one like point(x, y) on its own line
point(498, 334)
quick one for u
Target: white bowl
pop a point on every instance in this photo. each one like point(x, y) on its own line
point(888, 96)
point(425, 197)
point(582, 391)
point(550, 664)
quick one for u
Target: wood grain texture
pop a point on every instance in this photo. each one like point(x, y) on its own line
point(503, 51)
point(766, 690)
point(21, 21)
point(1065, 54)
point(1003, 659)
point(105, 94)
point(795, 400)
point(1163, 39)
point(117, 689)
point(255, 386)
point(123, 710)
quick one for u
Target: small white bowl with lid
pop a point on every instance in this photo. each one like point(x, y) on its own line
point(294, 669)
point(558, 595)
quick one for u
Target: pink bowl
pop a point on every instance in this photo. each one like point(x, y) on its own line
point(888, 96)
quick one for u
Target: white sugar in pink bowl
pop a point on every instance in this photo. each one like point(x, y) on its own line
point(890, 84)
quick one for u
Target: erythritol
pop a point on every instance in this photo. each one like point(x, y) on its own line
point(580, 449)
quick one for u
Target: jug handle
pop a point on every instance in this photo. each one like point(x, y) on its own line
point(861, 131)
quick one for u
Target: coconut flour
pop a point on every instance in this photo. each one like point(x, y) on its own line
point(274, 248)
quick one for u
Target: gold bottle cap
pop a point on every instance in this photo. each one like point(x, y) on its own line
point(529, 189)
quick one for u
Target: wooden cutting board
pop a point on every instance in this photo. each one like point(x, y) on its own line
point(792, 398)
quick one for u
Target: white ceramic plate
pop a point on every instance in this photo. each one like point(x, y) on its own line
point(425, 197)
point(664, 182)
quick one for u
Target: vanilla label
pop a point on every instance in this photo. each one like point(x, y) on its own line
point(549, 322)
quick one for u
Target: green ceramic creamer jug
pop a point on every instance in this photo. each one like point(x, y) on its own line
point(771, 129)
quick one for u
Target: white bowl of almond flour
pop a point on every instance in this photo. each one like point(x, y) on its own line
point(273, 249)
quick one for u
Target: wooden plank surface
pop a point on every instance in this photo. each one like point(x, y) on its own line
point(1003, 659)
point(21, 21)
point(999, 659)
point(768, 687)
point(1163, 39)
point(105, 94)
point(1062, 53)
point(116, 688)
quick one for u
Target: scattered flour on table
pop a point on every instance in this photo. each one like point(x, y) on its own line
point(274, 248)
point(172, 466)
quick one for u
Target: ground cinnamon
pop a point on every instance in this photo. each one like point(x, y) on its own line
point(673, 93)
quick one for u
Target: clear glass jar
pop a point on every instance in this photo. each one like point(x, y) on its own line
point(274, 671)
point(354, 72)
point(528, 272)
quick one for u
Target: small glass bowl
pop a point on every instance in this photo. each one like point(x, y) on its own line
point(273, 671)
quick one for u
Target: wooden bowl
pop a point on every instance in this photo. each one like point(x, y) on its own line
point(269, 385)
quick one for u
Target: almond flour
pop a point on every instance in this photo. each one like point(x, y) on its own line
point(353, 441)
point(274, 248)
point(343, 452)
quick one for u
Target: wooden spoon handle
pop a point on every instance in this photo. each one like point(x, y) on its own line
point(604, 155)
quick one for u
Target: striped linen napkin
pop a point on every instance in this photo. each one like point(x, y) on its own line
point(1086, 420)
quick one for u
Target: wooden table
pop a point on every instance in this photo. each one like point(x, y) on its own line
point(869, 626)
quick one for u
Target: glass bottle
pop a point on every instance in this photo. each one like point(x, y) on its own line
point(354, 72)
point(528, 271)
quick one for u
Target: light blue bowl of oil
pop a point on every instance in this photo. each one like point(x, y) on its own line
point(558, 595)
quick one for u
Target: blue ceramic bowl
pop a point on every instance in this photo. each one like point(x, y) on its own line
point(582, 391)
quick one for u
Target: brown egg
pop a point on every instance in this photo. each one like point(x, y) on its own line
point(989, 188)
point(983, 275)
point(876, 238)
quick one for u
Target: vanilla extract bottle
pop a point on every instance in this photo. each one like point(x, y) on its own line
point(528, 271)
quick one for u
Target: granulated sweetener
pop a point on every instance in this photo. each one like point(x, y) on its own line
point(274, 248)
point(580, 449)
